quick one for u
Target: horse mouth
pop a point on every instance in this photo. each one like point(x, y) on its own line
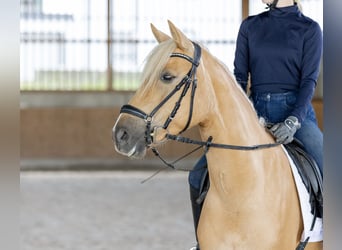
point(128, 135)
point(136, 152)
point(132, 151)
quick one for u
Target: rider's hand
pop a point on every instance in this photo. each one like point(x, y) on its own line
point(284, 131)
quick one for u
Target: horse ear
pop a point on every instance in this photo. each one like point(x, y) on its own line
point(181, 40)
point(159, 35)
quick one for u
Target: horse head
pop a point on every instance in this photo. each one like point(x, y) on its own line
point(165, 101)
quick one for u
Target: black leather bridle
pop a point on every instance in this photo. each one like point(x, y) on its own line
point(190, 79)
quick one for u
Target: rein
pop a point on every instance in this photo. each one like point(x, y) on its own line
point(208, 143)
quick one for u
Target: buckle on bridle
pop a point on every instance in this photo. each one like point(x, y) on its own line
point(148, 119)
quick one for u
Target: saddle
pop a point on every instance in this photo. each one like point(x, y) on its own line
point(310, 174)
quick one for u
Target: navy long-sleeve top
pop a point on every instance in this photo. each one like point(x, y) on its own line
point(281, 49)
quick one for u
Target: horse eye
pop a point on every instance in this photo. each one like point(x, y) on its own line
point(166, 77)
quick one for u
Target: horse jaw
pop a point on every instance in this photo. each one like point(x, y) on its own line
point(128, 135)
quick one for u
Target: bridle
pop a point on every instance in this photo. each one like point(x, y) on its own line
point(190, 80)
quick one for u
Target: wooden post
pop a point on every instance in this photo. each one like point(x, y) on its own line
point(245, 8)
point(109, 47)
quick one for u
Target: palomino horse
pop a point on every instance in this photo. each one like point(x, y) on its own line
point(252, 202)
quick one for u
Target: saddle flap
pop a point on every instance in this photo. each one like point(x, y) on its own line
point(310, 174)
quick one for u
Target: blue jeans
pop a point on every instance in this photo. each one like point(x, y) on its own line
point(275, 108)
point(197, 174)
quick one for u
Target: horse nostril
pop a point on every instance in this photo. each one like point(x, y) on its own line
point(122, 135)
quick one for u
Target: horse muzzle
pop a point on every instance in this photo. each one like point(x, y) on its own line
point(128, 135)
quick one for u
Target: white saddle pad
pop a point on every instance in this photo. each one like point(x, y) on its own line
point(317, 233)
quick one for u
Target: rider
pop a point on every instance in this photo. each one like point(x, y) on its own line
point(281, 50)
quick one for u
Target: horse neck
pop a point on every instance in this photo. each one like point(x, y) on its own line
point(232, 119)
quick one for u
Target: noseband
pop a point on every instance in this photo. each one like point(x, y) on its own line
point(189, 79)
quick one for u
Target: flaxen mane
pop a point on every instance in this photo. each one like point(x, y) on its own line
point(155, 63)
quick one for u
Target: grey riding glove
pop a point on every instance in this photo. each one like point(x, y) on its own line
point(284, 131)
